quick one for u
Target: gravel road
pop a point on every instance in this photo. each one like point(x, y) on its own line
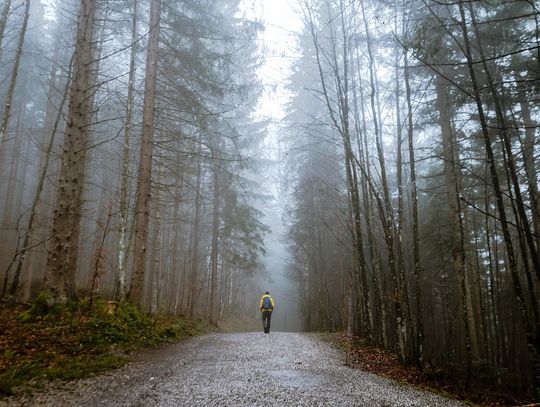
point(241, 369)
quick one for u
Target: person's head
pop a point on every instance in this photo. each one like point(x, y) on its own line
point(266, 293)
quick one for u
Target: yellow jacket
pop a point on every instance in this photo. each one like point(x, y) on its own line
point(271, 303)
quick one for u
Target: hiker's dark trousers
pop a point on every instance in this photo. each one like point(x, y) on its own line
point(266, 315)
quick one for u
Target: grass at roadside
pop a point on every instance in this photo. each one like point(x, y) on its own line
point(74, 340)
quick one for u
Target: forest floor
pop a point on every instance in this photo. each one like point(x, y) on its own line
point(386, 364)
point(39, 344)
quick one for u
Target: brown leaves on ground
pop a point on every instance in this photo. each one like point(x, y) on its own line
point(377, 361)
point(387, 364)
point(383, 363)
point(40, 341)
point(20, 342)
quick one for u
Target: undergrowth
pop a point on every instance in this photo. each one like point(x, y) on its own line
point(48, 341)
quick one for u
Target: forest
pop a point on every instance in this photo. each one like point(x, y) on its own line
point(132, 168)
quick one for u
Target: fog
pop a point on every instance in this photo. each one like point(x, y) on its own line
point(372, 164)
point(282, 25)
point(280, 283)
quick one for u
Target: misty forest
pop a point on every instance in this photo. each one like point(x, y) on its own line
point(140, 153)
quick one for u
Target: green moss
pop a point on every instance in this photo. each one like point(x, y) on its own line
point(41, 307)
point(15, 376)
point(83, 366)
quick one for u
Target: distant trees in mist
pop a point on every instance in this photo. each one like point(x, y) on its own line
point(126, 140)
point(413, 145)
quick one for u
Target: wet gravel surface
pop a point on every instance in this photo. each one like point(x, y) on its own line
point(243, 369)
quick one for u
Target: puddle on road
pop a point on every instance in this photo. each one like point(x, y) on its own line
point(296, 378)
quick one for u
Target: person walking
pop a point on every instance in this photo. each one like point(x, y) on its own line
point(266, 306)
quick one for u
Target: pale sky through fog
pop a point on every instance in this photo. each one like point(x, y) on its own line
point(278, 43)
point(281, 23)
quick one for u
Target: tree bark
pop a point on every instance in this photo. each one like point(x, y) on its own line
point(194, 265)
point(156, 259)
point(215, 247)
point(142, 204)
point(40, 184)
point(418, 272)
point(405, 328)
point(124, 182)
point(61, 264)
point(17, 155)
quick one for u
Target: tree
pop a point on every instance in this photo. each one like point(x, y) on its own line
point(62, 259)
point(4, 123)
point(123, 201)
point(142, 203)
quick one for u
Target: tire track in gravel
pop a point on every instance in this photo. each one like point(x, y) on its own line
point(240, 369)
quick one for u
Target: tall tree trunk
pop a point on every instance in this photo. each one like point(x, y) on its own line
point(493, 286)
point(33, 268)
point(17, 154)
point(344, 111)
point(142, 204)
point(418, 274)
point(10, 228)
point(41, 181)
point(103, 194)
point(194, 268)
point(156, 257)
point(378, 282)
point(124, 182)
point(215, 247)
point(13, 81)
point(387, 218)
point(406, 337)
point(450, 158)
point(3, 23)
point(61, 262)
point(174, 268)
